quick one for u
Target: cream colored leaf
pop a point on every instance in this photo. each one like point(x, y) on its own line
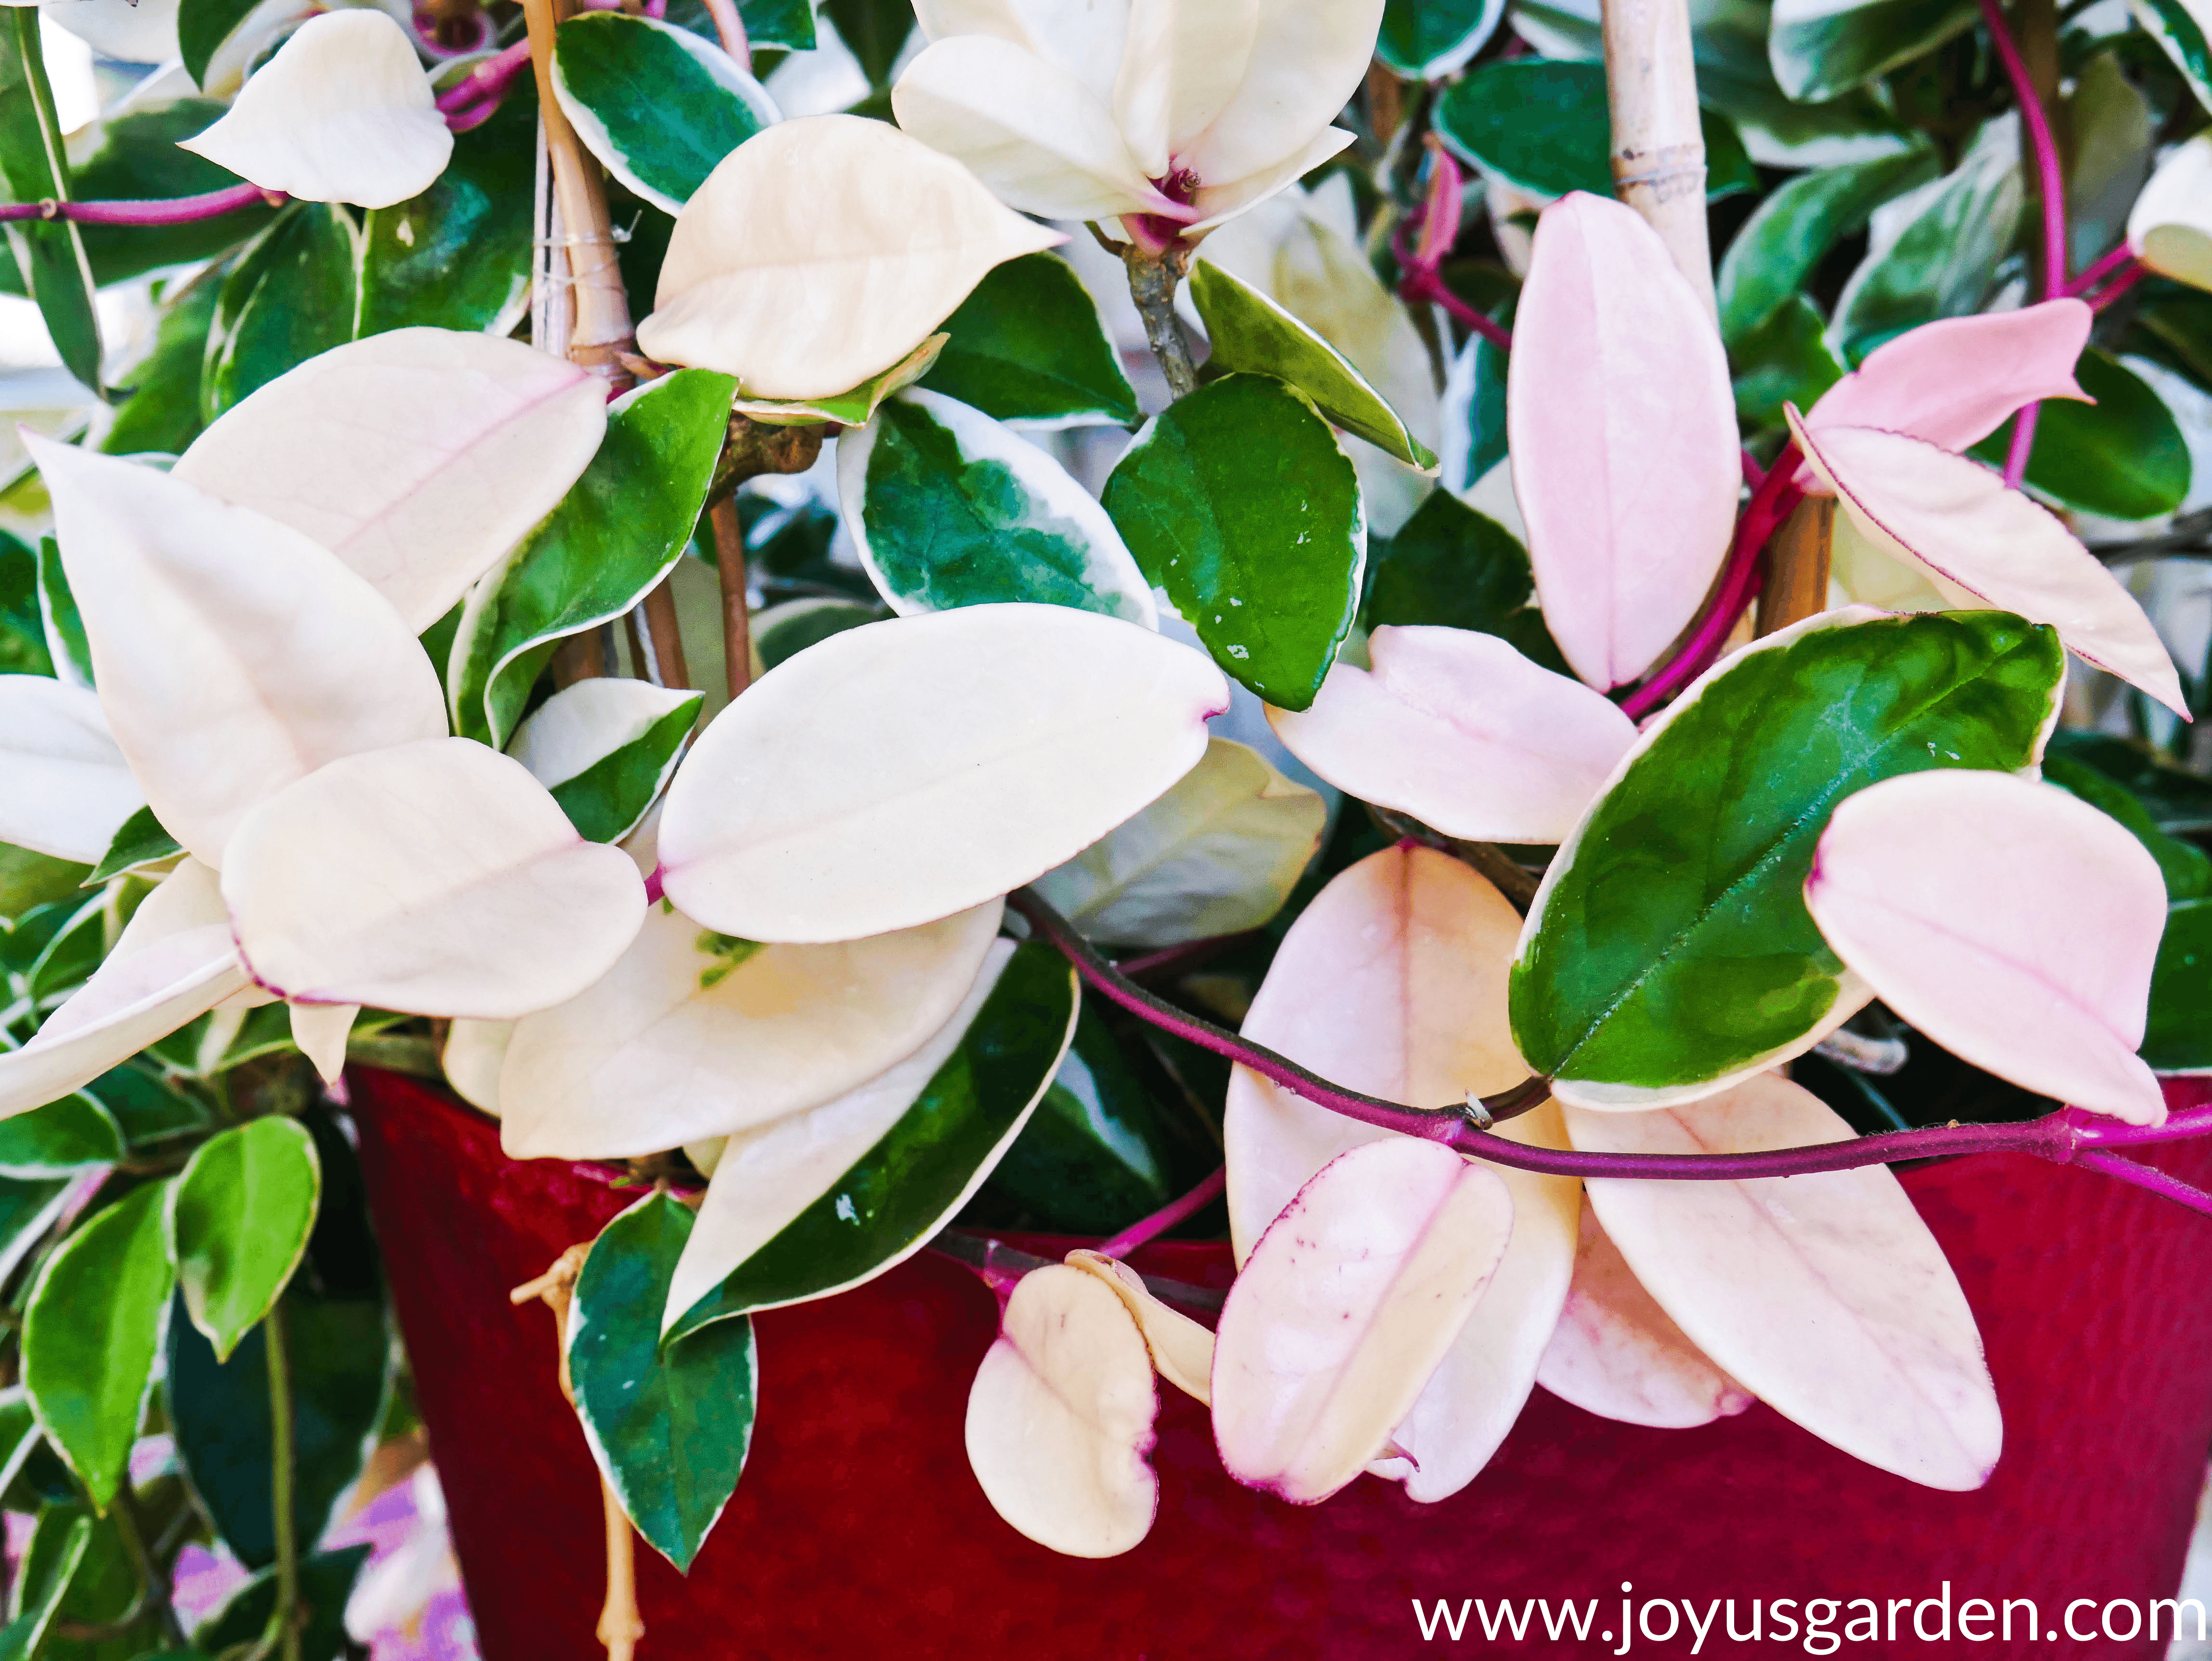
point(1303, 65)
point(1217, 203)
point(586, 722)
point(474, 1052)
point(320, 1030)
point(1083, 37)
point(1181, 1350)
point(1183, 63)
point(2170, 228)
point(65, 787)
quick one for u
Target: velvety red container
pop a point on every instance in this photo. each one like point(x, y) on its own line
point(858, 1530)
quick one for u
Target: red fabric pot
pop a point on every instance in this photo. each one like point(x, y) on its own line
point(858, 1530)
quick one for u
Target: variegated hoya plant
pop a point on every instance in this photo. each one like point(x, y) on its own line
point(1330, 648)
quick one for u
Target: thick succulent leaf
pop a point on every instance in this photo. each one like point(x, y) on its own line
point(606, 747)
point(1955, 381)
point(695, 1034)
point(2186, 868)
point(437, 878)
point(474, 1052)
point(1249, 331)
point(1460, 730)
point(616, 534)
point(2183, 32)
point(2119, 452)
point(783, 1223)
point(1181, 1350)
point(2170, 228)
point(853, 408)
point(293, 295)
point(1346, 1306)
point(2011, 923)
point(658, 105)
point(380, 450)
point(92, 1327)
point(1059, 1417)
point(61, 1139)
point(1027, 346)
point(1668, 953)
point(1615, 1352)
point(1238, 501)
point(49, 255)
point(820, 252)
point(1031, 131)
point(344, 112)
point(1431, 40)
point(1956, 519)
point(320, 1032)
point(1455, 568)
point(1217, 853)
point(1825, 1295)
point(1820, 49)
point(140, 846)
point(900, 772)
point(670, 1427)
point(65, 787)
point(1623, 438)
point(234, 656)
point(947, 508)
point(1774, 255)
point(236, 1222)
point(2178, 1030)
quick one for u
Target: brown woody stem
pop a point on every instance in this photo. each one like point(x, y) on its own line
point(1152, 280)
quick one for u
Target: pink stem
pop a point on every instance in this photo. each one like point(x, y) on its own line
point(1152, 1228)
point(2051, 181)
point(1436, 222)
point(175, 211)
point(2102, 269)
point(1774, 501)
point(2023, 443)
point(2119, 285)
point(2143, 1176)
point(484, 86)
point(1187, 955)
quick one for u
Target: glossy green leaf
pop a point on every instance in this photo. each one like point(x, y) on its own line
point(292, 295)
point(27, 878)
point(326, 1580)
point(785, 23)
point(98, 1587)
point(1670, 946)
point(1735, 77)
point(1452, 566)
point(875, 31)
point(339, 1350)
point(1249, 331)
point(783, 631)
point(1429, 40)
point(23, 630)
point(950, 509)
point(2174, 328)
point(51, 1564)
point(1238, 501)
point(161, 413)
point(658, 105)
point(2121, 457)
point(2178, 801)
point(74, 1134)
point(149, 1110)
point(607, 545)
point(204, 24)
point(605, 801)
point(1785, 360)
point(2182, 30)
point(133, 156)
point(2178, 1034)
point(34, 167)
point(238, 1216)
point(1820, 49)
point(2186, 868)
point(90, 1334)
point(1027, 347)
point(140, 844)
point(670, 1427)
point(1773, 257)
point(65, 638)
point(925, 1167)
point(457, 256)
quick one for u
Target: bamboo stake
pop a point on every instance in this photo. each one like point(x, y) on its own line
point(1658, 146)
point(602, 330)
point(1797, 566)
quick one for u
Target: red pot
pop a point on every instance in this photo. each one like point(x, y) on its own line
point(858, 1530)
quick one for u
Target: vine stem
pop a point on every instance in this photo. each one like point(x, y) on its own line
point(1175, 1211)
point(2051, 182)
point(2067, 1136)
point(2118, 258)
point(284, 1618)
point(172, 211)
point(1153, 276)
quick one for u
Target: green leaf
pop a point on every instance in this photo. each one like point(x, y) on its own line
point(950, 509)
point(2174, 328)
point(783, 631)
point(29, 1209)
point(139, 844)
point(27, 879)
point(457, 256)
point(669, 1428)
point(65, 640)
point(1431, 39)
point(149, 1110)
point(73, 952)
point(2186, 868)
point(72, 1134)
point(161, 414)
point(875, 30)
point(239, 1217)
point(1451, 566)
point(34, 168)
point(851, 408)
point(605, 801)
point(1735, 77)
point(340, 1351)
point(292, 295)
point(1472, 435)
point(99, 1588)
point(785, 23)
point(1027, 346)
point(658, 105)
point(2181, 31)
point(90, 1332)
point(2178, 801)
point(1820, 49)
point(2121, 457)
point(1238, 501)
point(1786, 360)
point(203, 26)
point(1541, 123)
point(1773, 257)
point(133, 157)
point(23, 630)
point(56, 1555)
point(2178, 1033)
point(907, 1186)
point(1249, 331)
point(325, 1582)
point(606, 546)
point(1670, 945)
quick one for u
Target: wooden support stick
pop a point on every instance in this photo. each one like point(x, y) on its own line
point(602, 330)
point(1797, 566)
point(1658, 144)
point(737, 620)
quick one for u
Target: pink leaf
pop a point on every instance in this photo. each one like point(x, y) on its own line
point(1460, 730)
point(1954, 382)
point(2014, 924)
point(1982, 543)
point(1623, 438)
point(1825, 1295)
point(1349, 1302)
point(1618, 1354)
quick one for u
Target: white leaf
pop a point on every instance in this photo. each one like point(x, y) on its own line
point(418, 457)
point(586, 722)
point(234, 656)
point(1217, 854)
point(436, 878)
point(320, 1030)
point(344, 112)
point(2170, 228)
point(820, 252)
point(1181, 1350)
point(900, 772)
point(474, 1052)
point(1083, 37)
point(65, 787)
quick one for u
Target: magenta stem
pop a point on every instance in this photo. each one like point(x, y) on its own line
point(1151, 1228)
point(174, 210)
point(472, 100)
point(2119, 285)
point(2023, 444)
point(2143, 1176)
point(2102, 269)
point(2051, 180)
point(1171, 959)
